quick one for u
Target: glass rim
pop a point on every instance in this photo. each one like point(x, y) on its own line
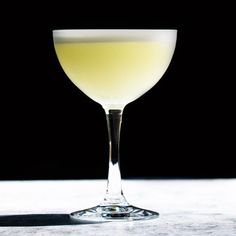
point(114, 34)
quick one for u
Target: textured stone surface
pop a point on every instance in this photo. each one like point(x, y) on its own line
point(186, 207)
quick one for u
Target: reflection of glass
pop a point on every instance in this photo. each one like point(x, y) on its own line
point(114, 67)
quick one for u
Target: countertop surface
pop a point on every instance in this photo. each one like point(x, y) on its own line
point(186, 207)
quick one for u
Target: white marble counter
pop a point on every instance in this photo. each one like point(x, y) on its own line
point(186, 207)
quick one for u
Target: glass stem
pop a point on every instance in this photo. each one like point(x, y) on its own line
point(114, 194)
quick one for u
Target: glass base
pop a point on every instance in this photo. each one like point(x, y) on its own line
point(113, 213)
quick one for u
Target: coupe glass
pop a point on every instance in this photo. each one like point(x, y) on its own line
point(114, 67)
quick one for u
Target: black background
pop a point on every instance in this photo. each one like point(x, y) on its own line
point(183, 127)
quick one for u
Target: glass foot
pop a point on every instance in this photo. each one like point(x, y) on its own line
point(113, 213)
